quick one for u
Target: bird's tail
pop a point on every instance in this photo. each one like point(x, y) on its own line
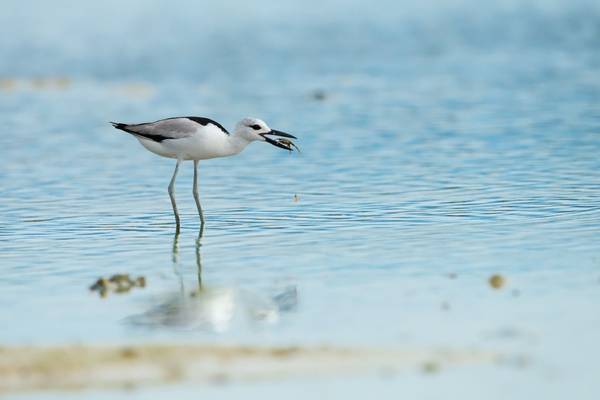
point(118, 125)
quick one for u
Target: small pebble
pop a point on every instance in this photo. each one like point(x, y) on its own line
point(431, 367)
point(497, 281)
point(128, 352)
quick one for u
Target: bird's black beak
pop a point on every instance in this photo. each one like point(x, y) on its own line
point(279, 133)
point(276, 143)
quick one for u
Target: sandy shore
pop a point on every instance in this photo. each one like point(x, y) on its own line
point(78, 367)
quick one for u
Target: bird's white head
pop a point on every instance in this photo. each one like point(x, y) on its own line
point(253, 129)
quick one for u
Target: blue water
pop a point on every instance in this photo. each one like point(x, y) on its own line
point(441, 143)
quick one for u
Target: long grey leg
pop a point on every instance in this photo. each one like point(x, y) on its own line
point(197, 199)
point(172, 195)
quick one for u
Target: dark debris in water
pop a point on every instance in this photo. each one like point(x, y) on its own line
point(319, 95)
point(118, 283)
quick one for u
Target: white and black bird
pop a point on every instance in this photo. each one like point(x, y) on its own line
point(198, 138)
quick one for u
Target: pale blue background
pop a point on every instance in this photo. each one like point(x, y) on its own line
point(455, 137)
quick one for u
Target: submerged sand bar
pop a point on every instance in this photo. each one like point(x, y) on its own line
point(87, 366)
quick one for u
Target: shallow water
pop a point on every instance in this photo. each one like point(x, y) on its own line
point(441, 144)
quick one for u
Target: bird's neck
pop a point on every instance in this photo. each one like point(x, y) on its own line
point(237, 143)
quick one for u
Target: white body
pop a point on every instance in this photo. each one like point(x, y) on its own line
point(204, 143)
point(197, 138)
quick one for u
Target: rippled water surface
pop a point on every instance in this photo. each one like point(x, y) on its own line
point(441, 144)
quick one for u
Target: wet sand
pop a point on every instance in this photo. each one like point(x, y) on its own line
point(84, 366)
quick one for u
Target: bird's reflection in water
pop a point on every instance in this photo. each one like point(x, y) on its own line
point(216, 309)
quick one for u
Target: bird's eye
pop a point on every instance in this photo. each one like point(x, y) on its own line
point(255, 127)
